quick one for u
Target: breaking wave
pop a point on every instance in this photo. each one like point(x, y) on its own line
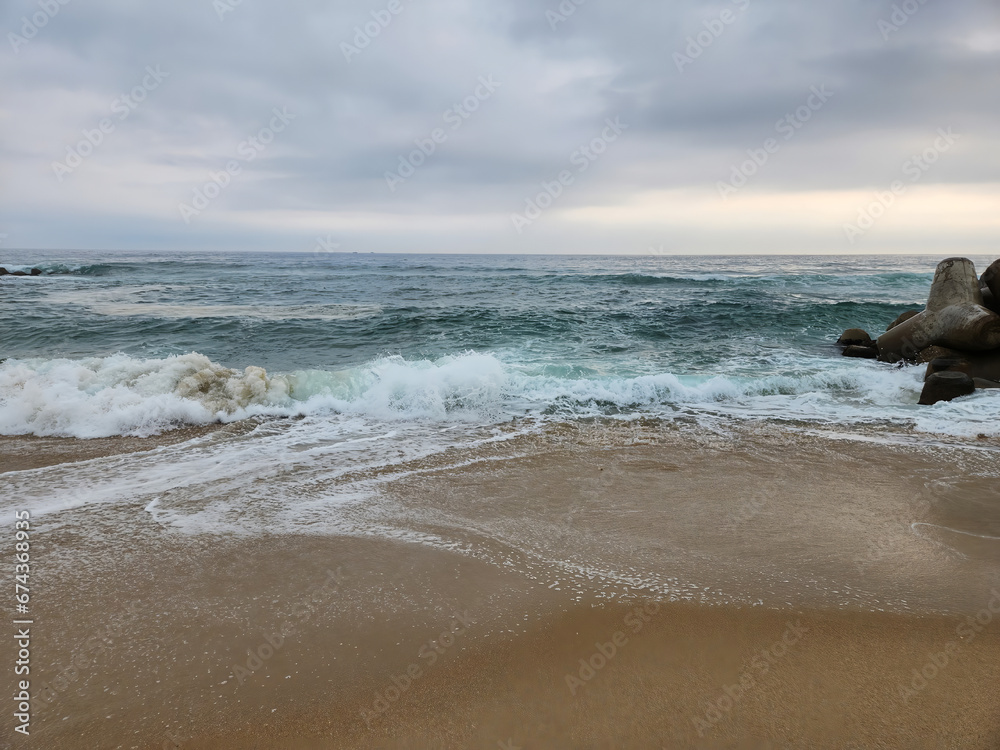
point(122, 395)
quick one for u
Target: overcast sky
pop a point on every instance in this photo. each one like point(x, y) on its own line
point(675, 127)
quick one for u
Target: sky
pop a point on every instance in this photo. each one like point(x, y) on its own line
point(508, 126)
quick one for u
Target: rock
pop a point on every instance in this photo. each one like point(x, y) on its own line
point(902, 318)
point(36, 271)
point(922, 357)
point(981, 383)
point(990, 300)
point(984, 366)
point(954, 317)
point(854, 337)
point(941, 364)
point(946, 386)
point(18, 273)
point(991, 279)
point(3, 271)
point(863, 352)
point(937, 352)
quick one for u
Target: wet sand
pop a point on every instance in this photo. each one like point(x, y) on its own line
point(147, 638)
point(168, 672)
point(24, 452)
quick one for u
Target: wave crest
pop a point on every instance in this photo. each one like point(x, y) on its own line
point(121, 395)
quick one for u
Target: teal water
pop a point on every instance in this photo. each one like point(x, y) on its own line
point(109, 343)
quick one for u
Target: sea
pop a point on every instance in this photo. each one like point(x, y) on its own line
point(472, 403)
point(107, 343)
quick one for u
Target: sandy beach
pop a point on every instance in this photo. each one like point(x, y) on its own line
point(521, 605)
point(500, 375)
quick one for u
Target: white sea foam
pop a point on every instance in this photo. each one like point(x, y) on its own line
point(130, 303)
point(260, 312)
point(123, 395)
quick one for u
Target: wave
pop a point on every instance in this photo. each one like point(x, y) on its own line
point(122, 395)
point(849, 280)
point(329, 312)
point(61, 269)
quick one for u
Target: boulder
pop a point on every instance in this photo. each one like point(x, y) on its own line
point(18, 273)
point(902, 318)
point(990, 301)
point(954, 316)
point(984, 366)
point(989, 285)
point(991, 279)
point(980, 383)
point(854, 337)
point(942, 364)
point(937, 352)
point(863, 352)
point(36, 271)
point(946, 386)
point(3, 271)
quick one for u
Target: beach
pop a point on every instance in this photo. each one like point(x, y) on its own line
point(500, 375)
point(491, 502)
point(463, 623)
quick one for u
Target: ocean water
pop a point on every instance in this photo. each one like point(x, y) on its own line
point(468, 403)
point(134, 344)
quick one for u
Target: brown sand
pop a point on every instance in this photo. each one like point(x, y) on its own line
point(142, 633)
point(505, 678)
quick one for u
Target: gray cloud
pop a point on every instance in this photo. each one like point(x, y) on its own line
point(355, 120)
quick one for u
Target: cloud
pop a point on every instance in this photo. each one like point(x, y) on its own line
point(750, 63)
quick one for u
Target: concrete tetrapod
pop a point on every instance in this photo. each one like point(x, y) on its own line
point(954, 317)
point(991, 279)
point(989, 284)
